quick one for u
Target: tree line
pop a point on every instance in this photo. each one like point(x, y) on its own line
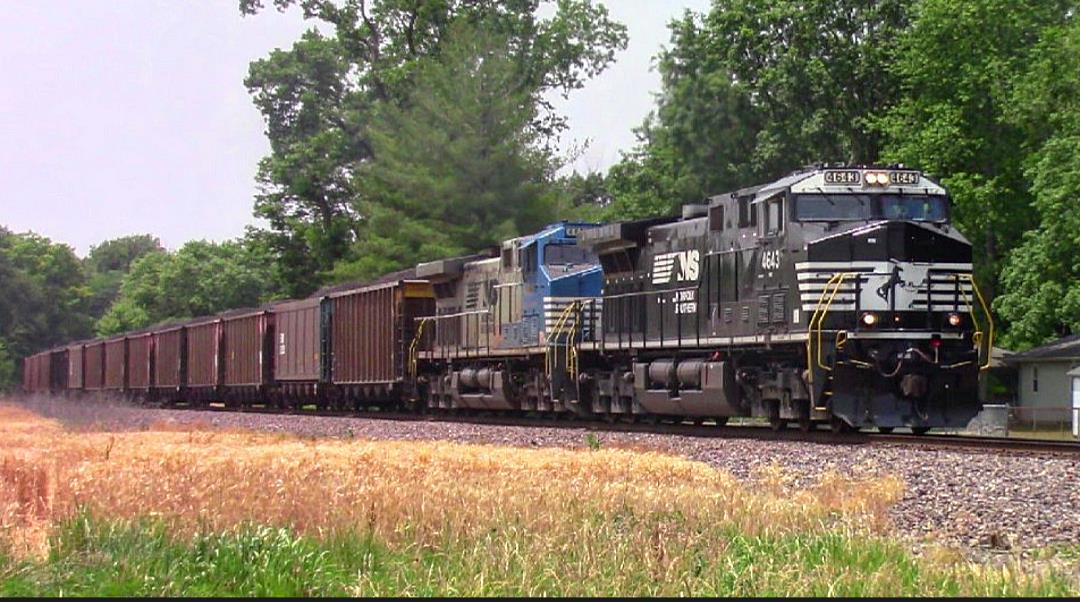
point(406, 130)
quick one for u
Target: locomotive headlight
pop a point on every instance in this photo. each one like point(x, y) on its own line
point(877, 178)
point(870, 319)
point(955, 320)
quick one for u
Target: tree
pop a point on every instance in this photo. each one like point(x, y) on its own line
point(202, 278)
point(459, 166)
point(756, 88)
point(958, 64)
point(8, 372)
point(118, 254)
point(319, 99)
point(108, 264)
point(1041, 277)
point(44, 298)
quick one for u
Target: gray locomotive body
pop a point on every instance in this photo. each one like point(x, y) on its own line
point(831, 295)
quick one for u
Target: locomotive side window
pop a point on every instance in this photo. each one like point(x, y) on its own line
point(528, 259)
point(716, 218)
point(747, 214)
point(774, 216)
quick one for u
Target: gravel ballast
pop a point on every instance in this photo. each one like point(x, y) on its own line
point(977, 499)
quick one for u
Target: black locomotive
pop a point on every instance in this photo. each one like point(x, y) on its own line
point(838, 295)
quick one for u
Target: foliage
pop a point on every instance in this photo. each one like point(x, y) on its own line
point(320, 100)
point(958, 65)
point(202, 278)
point(44, 300)
point(108, 264)
point(754, 89)
point(9, 373)
point(118, 254)
point(460, 167)
point(1041, 278)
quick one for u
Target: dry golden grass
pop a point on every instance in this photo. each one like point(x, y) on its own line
point(412, 492)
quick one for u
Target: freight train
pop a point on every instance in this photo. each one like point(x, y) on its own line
point(837, 295)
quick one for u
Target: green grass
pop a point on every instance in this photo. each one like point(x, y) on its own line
point(96, 558)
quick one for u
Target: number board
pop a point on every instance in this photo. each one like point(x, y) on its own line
point(847, 177)
point(904, 178)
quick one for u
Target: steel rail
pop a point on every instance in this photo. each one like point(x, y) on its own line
point(654, 425)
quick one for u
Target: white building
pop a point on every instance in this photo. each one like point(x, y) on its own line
point(1049, 382)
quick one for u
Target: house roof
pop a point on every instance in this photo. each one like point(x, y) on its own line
point(1061, 349)
point(1000, 357)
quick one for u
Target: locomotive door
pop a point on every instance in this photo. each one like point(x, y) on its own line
point(771, 262)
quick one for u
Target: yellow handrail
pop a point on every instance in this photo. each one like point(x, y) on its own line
point(817, 321)
point(977, 340)
point(810, 328)
point(571, 349)
point(414, 350)
point(556, 330)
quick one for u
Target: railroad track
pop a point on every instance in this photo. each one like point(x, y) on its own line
point(929, 441)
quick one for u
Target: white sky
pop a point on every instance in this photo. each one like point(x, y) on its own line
point(130, 116)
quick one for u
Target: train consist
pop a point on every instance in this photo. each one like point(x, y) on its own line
point(836, 295)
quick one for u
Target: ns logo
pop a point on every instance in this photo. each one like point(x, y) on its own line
point(664, 266)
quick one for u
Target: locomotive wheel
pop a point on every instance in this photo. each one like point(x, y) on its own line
point(721, 420)
point(920, 430)
point(837, 425)
point(777, 423)
point(885, 430)
point(805, 424)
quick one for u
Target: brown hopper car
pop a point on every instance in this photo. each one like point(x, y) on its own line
point(168, 361)
point(116, 364)
point(373, 329)
point(94, 366)
point(75, 367)
point(140, 362)
point(246, 345)
point(204, 369)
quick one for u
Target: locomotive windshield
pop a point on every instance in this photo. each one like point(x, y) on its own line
point(568, 255)
point(855, 207)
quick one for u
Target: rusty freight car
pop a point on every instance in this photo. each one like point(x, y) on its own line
point(205, 370)
point(140, 362)
point(373, 328)
point(169, 374)
point(246, 337)
point(75, 367)
point(116, 365)
point(94, 365)
point(58, 370)
point(299, 347)
point(36, 373)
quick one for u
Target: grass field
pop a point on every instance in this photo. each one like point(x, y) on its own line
point(204, 512)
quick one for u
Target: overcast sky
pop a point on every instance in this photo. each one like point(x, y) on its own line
point(130, 116)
